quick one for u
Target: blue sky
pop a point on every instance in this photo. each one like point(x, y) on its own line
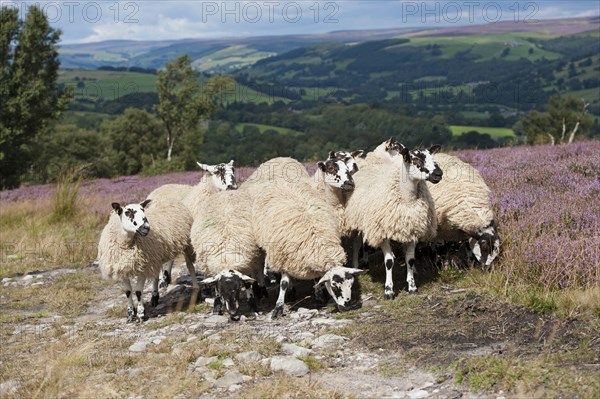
point(92, 21)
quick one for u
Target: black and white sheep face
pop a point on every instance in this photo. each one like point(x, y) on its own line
point(485, 245)
point(222, 175)
point(337, 174)
point(133, 218)
point(228, 286)
point(422, 165)
point(338, 282)
point(349, 159)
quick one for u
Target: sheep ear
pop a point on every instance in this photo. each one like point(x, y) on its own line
point(230, 163)
point(209, 280)
point(323, 280)
point(145, 203)
point(389, 143)
point(321, 165)
point(405, 154)
point(434, 149)
point(332, 155)
point(357, 153)
point(354, 271)
point(117, 207)
point(206, 168)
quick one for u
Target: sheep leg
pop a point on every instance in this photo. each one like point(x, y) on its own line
point(259, 287)
point(188, 254)
point(155, 296)
point(251, 299)
point(283, 286)
point(356, 243)
point(126, 284)
point(165, 276)
point(217, 306)
point(409, 250)
point(388, 256)
point(139, 288)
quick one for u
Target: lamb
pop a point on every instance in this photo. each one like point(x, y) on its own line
point(218, 178)
point(137, 240)
point(299, 230)
point(463, 209)
point(394, 203)
point(223, 240)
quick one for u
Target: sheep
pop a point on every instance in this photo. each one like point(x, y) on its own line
point(299, 230)
point(394, 203)
point(223, 240)
point(463, 209)
point(219, 178)
point(137, 240)
point(285, 168)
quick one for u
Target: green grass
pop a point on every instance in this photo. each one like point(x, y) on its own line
point(492, 131)
point(487, 46)
point(109, 85)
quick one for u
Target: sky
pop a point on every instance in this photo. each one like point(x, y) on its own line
point(85, 21)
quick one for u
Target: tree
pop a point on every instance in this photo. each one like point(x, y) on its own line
point(135, 140)
point(566, 117)
point(29, 97)
point(183, 105)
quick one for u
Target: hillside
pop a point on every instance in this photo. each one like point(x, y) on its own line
point(219, 55)
point(518, 71)
point(215, 55)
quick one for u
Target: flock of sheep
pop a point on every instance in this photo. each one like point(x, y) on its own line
point(284, 220)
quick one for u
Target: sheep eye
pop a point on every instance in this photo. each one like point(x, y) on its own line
point(135, 223)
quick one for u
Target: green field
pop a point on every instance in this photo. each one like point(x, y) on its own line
point(488, 46)
point(110, 85)
point(492, 131)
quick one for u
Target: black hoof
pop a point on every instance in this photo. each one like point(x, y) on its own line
point(154, 300)
point(388, 297)
point(278, 311)
point(414, 292)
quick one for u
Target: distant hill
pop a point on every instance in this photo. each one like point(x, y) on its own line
point(222, 55)
point(208, 54)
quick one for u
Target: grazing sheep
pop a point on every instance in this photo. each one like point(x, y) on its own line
point(299, 230)
point(218, 178)
point(463, 208)
point(137, 240)
point(223, 240)
point(393, 203)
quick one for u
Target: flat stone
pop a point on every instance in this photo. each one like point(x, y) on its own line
point(158, 339)
point(203, 361)
point(234, 388)
point(289, 365)
point(6, 279)
point(295, 350)
point(214, 337)
point(248, 357)
point(327, 341)
point(228, 362)
point(191, 338)
point(417, 394)
point(230, 378)
point(173, 289)
point(28, 277)
point(8, 387)
point(216, 321)
point(139, 346)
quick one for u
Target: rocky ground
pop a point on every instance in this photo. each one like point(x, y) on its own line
point(413, 347)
